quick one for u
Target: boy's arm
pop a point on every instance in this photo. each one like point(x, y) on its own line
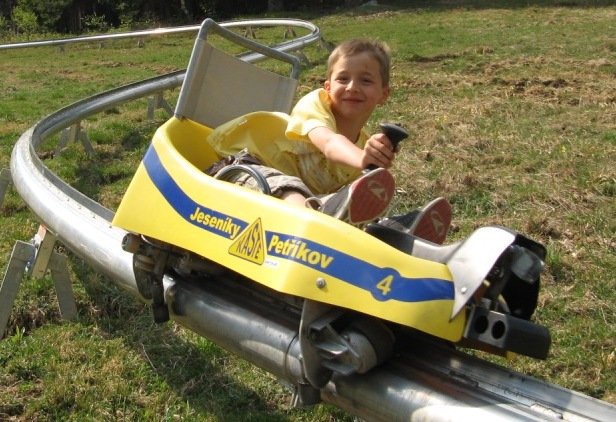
point(338, 148)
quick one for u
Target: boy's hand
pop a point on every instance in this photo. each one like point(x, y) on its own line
point(378, 151)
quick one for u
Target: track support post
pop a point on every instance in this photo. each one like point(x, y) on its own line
point(35, 258)
point(5, 181)
point(158, 101)
point(73, 134)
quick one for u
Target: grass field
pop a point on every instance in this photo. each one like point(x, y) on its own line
point(512, 111)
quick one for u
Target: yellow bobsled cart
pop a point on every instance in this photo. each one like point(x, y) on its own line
point(353, 289)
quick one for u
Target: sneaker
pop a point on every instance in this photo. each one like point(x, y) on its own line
point(363, 200)
point(430, 222)
point(400, 222)
point(433, 221)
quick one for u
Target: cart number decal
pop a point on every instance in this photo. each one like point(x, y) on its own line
point(385, 285)
point(250, 244)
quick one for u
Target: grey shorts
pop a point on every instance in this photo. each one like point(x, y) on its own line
point(278, 182)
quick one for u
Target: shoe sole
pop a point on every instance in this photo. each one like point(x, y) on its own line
point(433, 221)
point(370, 196)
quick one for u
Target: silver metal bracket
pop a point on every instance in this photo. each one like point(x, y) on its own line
point(305, 395)
point(5, 181)
point(73, 134)
point(157, 101)
point(34, 258)
point(302, 57)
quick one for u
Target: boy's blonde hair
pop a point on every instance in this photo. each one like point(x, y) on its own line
point(377, 49)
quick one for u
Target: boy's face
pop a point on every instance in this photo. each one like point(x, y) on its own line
point(355, 87)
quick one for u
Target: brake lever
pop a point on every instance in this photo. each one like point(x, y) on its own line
point(395, 133)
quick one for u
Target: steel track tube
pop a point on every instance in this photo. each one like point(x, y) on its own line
point(294, 23)
point(397, 391)
point(256, 334)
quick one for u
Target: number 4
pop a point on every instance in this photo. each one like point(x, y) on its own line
point(385, 285)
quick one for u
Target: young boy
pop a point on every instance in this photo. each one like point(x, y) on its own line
point(332, 119)
point(326, 149)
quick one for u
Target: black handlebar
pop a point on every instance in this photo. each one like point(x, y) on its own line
point(395, 134)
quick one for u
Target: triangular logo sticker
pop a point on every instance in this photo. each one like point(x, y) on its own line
point(250, 244)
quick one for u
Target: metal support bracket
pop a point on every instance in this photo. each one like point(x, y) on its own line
point(249, 32)
point(73, 134)
point(302, 57)
point(328, 46)
point(5, 181)
point(35, 258)
point(157, 101)
point(289, 33)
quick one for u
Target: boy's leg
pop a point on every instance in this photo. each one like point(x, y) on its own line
point(431, 222)
point(280, 185)
point(363, 200)
point(294, 197)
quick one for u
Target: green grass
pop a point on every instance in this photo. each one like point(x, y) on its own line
point(511, 107)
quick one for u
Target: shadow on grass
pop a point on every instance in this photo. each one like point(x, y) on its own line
point(110, 165)
point(195, 371)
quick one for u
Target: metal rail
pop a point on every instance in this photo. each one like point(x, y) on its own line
point(292, 23)
point(428, 383)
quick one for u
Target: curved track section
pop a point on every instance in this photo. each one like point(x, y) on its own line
point(432, 382)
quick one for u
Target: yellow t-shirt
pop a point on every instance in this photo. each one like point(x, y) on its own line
point(281, 141)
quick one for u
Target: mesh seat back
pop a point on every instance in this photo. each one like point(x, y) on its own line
point(219, 87)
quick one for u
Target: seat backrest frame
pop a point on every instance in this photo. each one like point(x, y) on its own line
point(219, 87)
